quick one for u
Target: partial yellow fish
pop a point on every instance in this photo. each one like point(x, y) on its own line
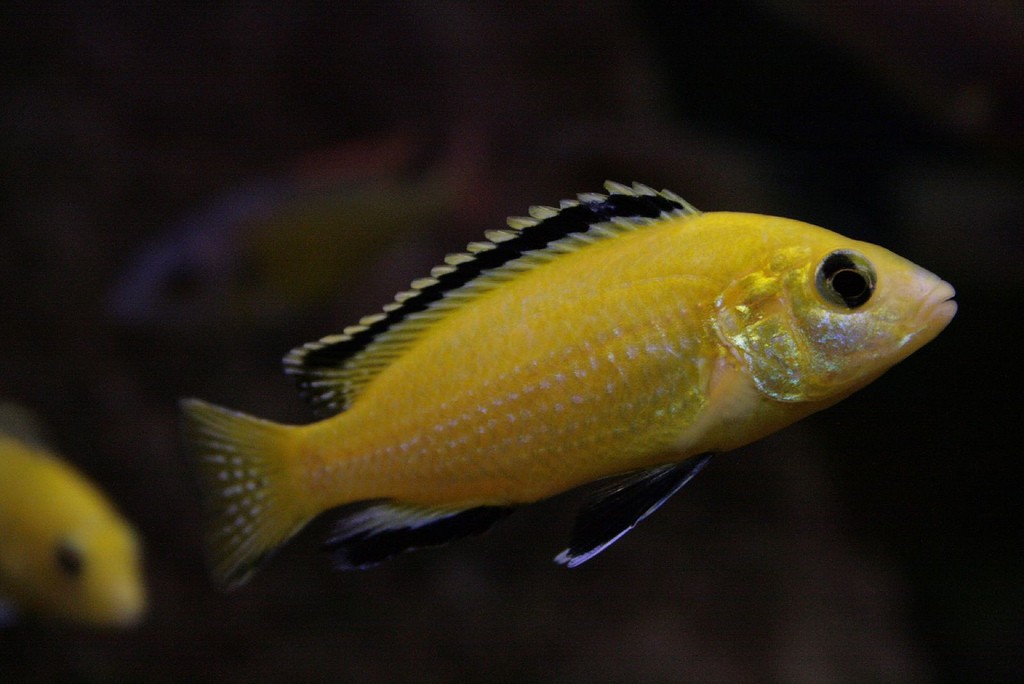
point(65, 553)
point(625, 334)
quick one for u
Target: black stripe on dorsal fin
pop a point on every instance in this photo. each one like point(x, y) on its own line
point(331, 371)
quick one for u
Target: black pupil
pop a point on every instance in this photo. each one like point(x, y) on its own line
point(846, 280)
point(69, 560)
point(850, 285)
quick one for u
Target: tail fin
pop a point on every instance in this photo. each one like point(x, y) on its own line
point(251, 504)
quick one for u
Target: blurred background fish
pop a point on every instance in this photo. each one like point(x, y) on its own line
point(274, 249)
point(65, 552)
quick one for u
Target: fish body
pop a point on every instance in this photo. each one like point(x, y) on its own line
point(65, 553)
point(623, 335)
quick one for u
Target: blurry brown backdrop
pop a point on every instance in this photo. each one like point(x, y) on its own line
point(880, 540)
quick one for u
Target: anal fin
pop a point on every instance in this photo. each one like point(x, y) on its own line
point(616, 509)
point(383, 530)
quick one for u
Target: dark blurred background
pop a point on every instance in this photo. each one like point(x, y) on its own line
point(154, 153)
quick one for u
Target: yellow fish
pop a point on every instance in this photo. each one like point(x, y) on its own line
point(622, 335)
point(65, 553)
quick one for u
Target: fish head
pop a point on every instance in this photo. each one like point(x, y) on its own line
point(84, 564)
point(195, 279)
point(822, 315)
point(100, 568)
point(203, 270)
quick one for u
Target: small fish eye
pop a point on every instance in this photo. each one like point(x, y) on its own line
point(846, 279)
point(69, 559)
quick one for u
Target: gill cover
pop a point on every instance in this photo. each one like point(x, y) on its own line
point(798, 322)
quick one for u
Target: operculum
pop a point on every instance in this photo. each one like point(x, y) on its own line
point(755, 323)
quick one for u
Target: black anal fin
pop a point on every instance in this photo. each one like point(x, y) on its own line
point(617, 509)
point(374, 534)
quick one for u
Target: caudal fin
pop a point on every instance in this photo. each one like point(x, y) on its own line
point(251, 505)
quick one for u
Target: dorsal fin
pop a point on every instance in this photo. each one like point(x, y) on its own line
point(331, 371)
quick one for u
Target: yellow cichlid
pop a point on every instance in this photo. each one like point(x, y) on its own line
point(65, 553)
point(623, 334)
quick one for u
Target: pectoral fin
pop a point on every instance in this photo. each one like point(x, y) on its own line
point(617, 509)
point(374, 534)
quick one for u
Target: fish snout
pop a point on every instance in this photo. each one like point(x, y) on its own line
point(128, 605)
point(939, 305)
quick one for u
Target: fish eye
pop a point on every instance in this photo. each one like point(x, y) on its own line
point(845, 278)
point(69, 559)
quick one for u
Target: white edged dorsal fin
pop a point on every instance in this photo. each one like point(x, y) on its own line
point(331, 371)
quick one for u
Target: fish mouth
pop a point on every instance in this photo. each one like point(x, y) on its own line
point(939, 307)
point(934, 313)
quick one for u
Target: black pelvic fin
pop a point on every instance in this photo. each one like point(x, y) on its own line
point(617, 509)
